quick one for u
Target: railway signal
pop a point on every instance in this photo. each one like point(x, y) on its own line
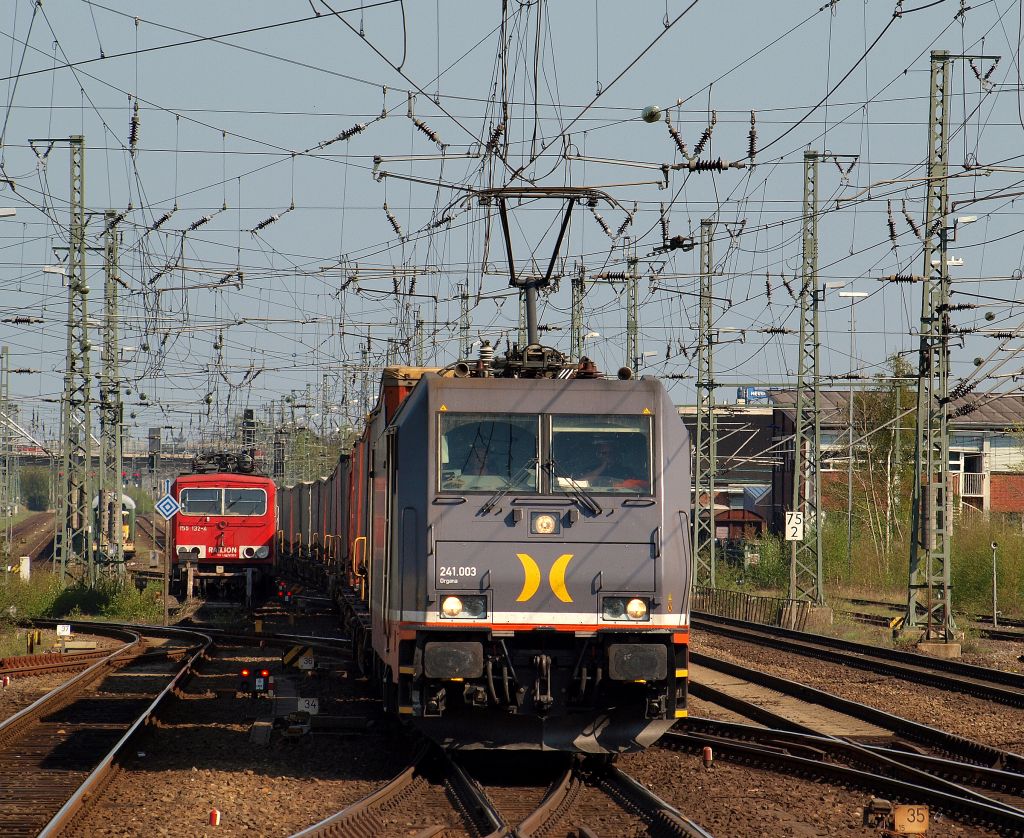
point(255, 680)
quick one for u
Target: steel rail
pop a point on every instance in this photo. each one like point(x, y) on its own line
point(991, 684)
point(664, 819)
point(994, 779)
point(92, 784)
point(950, 743)
point(13, 726)
point(974, 811)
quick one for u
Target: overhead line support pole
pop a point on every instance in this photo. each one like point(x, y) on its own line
point(805, 570)
point(74, 544)
point(929, 589)
point(111, 533)
point(705, 444)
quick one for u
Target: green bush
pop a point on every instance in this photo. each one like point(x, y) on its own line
point(44, 596)
point(772, 568)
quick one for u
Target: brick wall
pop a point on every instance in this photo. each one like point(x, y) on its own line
point(1006, 492)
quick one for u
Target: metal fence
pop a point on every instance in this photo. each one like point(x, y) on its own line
point(766, 610)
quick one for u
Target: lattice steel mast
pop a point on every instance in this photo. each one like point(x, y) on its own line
point(805, 571)
point(929, 590)
point(706, 440)
point(74, 546)
point(6, 454)
point(111, 534)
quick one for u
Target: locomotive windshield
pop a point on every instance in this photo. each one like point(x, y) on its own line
point(223, 501)
point(606, 454)
point(200, 501)
point(245, 502)
point(484, 452)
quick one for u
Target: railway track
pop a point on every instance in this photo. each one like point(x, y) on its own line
point(1010, 629)
point(990, 684)
point(435, 795)
point(894, 757)
point(25, 666)
point(33, 537)
point(151, 531)
point(62, 746)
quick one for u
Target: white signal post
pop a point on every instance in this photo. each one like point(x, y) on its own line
point(167, 507)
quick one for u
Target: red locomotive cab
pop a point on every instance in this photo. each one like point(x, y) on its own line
point(225, 533)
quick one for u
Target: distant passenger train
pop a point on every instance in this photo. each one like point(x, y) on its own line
point(127, 523)
point(225, 531)
point(508, 543)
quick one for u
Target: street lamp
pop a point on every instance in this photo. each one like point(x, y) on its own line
point(852, 296)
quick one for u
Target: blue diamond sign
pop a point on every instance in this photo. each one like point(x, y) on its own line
point(168, 507)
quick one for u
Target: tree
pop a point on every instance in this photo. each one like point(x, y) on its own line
point(35, 488)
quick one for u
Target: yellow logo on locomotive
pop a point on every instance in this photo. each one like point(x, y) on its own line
point(556, 577)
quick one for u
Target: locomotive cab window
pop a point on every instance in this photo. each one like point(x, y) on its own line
point(603, 454)
point(200, 501)
point(245, 502)
point(487, 452)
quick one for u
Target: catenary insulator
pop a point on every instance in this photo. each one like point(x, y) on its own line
point(604, 224)
point(910, 220)
point(426, 130)
point(718, 165)
point(789, 287)
point(676, 138)
point(394, 221)
point(703, 141)
point(163, 219)
point(752, 139)
point(892, 223)
point(133, 129)
point(492, 141)
point(199, 222)
point(626, 222)
point(768, 288)
point(348, 134)
point(266, 222)
point(664, 223)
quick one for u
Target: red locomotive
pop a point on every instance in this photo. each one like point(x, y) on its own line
point(224, 535)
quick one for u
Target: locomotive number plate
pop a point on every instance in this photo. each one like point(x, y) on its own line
point(451, 574)
point(910, 820)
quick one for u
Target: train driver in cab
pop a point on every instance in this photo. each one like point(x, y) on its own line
point(608, 468)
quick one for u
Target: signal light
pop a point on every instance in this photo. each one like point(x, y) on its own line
point(245, 672)
point(264, 673)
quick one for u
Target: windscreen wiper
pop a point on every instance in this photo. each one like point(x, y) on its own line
point(574, 490)
point(510, 483)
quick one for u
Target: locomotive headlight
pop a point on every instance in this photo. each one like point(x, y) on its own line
point(262, 552)
point(465, 607)
point(543, 523)
point(624, 608)
point(636, 609)
point(451, 607)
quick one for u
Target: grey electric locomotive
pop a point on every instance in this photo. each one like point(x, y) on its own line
point(527, 584)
